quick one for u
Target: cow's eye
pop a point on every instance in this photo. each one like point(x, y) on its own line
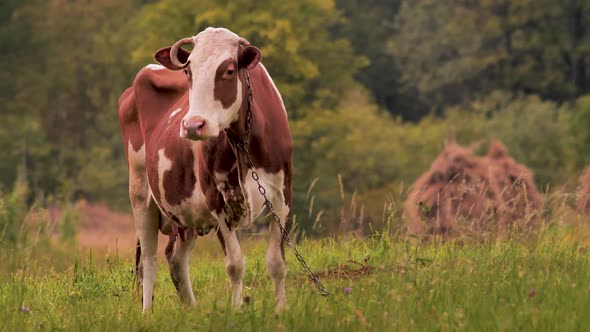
point(229, 72)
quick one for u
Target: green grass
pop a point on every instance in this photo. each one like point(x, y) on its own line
point(541, 285)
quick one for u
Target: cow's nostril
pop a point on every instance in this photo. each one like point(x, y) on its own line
point(199, 125)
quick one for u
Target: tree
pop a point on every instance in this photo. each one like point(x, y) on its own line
point(311, 69)
point(65, 70)
point(454, 51)
point(580, 131)
point(368, 24)
point(19, 129)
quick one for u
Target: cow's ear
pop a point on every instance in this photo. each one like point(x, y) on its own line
point(249, 57)
point(163, 57)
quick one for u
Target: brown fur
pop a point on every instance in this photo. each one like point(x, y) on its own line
point(129, 120)
point(225, 89)
point(266, 139)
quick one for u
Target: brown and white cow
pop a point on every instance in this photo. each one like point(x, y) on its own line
point(185, 175)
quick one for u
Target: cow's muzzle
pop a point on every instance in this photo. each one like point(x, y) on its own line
point(194, 128)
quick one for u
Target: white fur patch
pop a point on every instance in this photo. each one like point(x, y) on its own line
point(192, 211)
point(274, 185)
point(221, 179)
point(137, 176)
point(233, 258)
point(136, 158)
point(155, 67)
point(164, 165)
point(176, 111)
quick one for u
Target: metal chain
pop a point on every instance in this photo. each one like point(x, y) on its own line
point(242, 145)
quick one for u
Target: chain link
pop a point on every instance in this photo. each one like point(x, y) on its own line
point(242, 145)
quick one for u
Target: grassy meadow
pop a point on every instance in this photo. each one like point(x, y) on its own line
point(383, 282)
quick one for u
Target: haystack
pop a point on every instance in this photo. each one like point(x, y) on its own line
point(584, 192)
point(465, 194)
point(516, 195)
point(455, 188)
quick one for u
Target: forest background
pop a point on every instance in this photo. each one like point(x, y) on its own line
point(374, 89)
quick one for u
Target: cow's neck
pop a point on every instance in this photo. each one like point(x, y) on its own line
point(237, 129)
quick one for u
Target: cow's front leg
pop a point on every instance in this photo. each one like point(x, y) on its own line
point(275, 257)
point(178, 263)
point(235, 263)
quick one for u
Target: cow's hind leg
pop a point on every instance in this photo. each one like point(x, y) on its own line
point(275, 256)
point(138, 267)
point(147, 217)
point(235, 263)
point(146, 225)
point(178, 262)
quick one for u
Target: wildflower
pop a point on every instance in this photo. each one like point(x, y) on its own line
point(25, 309)
point(532, 292)
point(347, 290)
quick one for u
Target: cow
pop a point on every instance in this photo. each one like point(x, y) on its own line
point(181, 122)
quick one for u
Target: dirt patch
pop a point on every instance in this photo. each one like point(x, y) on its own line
point(347, 271)
point(101, 229)
point(354, 269)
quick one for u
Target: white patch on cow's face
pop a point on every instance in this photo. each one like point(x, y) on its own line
point(155, 67)
point(212, 47)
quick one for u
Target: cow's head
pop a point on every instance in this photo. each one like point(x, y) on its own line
point(213, 73)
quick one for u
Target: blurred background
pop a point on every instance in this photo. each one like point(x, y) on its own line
point(374, 90)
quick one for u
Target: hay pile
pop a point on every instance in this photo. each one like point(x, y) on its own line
point(465, 194)
point(584, 192)
point(513, 187)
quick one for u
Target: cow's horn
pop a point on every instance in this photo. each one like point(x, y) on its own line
point(243, 42)
point(174, 51)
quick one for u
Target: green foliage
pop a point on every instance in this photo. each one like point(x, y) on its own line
point(580, 133)
point(536, 132)
point(61, 98)
point(454, 51)
point(68, 62)
point(24, 226)
point(372, 152)
point(310, 68)
point(368, 24)
point(13, 210)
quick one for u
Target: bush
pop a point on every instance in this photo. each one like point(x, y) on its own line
point(372, 151)
point(13, 209)
point(580, 132)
